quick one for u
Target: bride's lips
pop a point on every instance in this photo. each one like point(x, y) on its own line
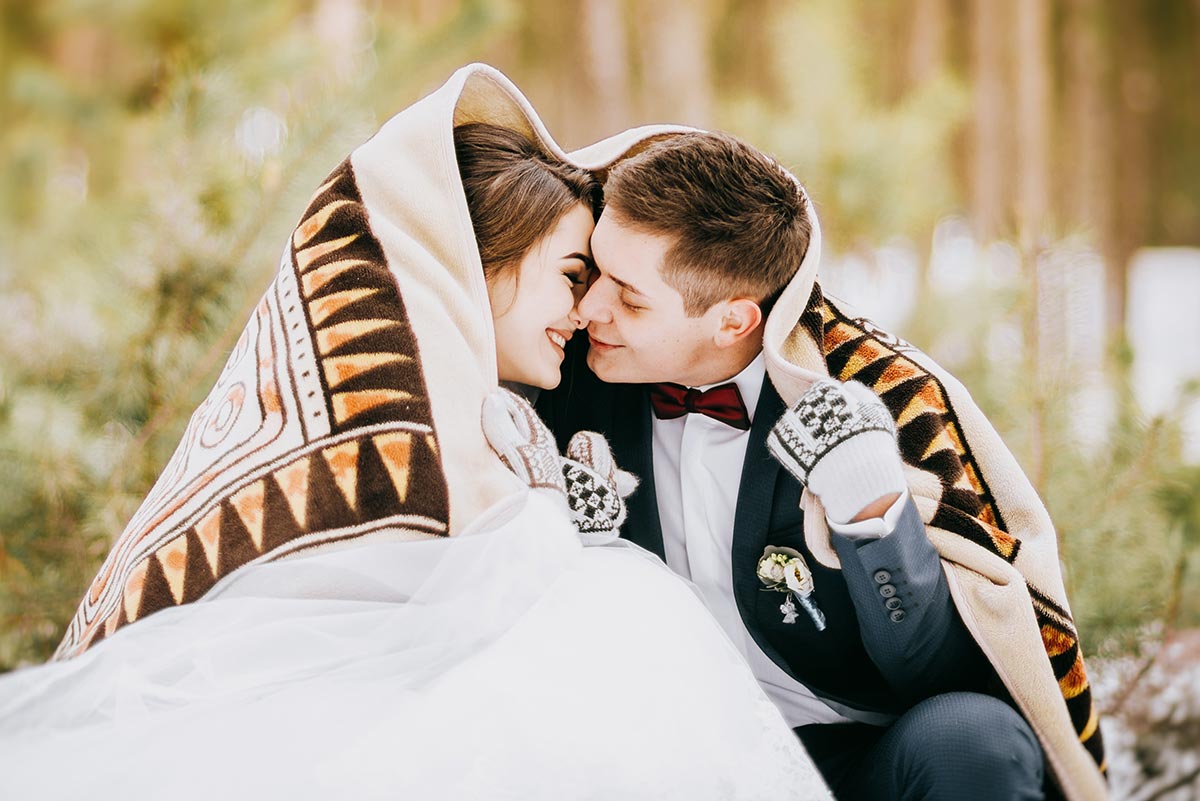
point(558, 337)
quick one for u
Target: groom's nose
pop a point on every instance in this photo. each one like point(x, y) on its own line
point(576, 319)
point(592, 307)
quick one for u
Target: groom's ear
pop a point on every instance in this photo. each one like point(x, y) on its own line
point(739, 319)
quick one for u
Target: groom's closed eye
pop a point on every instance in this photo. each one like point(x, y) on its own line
point(629, 296)
point(633, 307)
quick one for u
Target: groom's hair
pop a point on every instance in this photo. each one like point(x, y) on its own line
point(736, 216)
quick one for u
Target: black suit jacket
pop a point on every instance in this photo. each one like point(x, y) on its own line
point(893, 636)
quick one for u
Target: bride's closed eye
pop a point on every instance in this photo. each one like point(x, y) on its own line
point(579, 268)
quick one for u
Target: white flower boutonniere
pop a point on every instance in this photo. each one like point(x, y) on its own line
point(784, 570)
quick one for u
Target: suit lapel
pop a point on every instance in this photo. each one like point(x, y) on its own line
point(755, 495)
point(632, 444)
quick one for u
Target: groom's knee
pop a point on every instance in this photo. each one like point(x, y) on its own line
point(968, 745)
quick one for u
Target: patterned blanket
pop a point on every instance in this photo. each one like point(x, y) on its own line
point(350, 408)
point(994, 535)
point(318, 430)
point(931, 438)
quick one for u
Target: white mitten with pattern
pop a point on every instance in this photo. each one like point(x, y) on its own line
point(522, 440)
point(596, 488)
point(839, 440)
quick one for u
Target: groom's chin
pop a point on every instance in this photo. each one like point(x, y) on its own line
point(604, 366)
point(611, 369)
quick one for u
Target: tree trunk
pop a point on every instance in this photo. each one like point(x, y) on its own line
point(926, 58)
point(926, 41)
point(1137, 98)
point(1088, 145)
point(605, 73)
point(676, 68)
point(745, 50)
point(1043, 313)
point(987, 152)
point(1033, 120)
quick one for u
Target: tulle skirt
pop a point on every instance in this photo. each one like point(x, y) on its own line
point(508, 662)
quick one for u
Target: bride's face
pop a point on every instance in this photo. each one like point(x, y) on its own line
point(533, 305)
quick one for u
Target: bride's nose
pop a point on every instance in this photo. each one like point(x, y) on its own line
point(575, 318)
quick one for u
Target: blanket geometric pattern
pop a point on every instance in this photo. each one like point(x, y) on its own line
point(931, 438)
point(318, 430)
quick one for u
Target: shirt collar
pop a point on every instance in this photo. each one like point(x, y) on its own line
point(749, 383)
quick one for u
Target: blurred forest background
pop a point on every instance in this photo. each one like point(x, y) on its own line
point(1014, 185)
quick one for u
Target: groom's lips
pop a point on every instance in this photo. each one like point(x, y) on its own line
point(600, 345)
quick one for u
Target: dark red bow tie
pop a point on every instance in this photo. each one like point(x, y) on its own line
point(722, 403)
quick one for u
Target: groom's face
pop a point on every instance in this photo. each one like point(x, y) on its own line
point(637, 328)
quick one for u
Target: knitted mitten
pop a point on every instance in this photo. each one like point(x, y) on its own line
point(522, 440)
point(839, 440)
point(596, 488)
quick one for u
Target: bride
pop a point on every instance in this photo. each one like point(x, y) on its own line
point(337, 589)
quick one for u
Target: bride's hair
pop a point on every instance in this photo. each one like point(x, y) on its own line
point(516, 192)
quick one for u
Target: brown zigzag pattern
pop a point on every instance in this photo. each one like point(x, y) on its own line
point(929, 435)
point(931, 438)
point(1066, 659)
point(353, 483)
point(366, 350)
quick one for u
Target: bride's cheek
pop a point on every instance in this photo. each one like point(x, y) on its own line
point(565, 300)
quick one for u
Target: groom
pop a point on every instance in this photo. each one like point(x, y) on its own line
point(873, 667)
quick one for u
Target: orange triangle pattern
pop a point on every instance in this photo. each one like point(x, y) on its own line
point(347, 405)
point(293, 480)
point(309, 256)
point(398, 455)
point(343, 465)
point(314, 279)
point(336, 336)
point(325, 307)
point(249, 505)
point(172, 557)
point(396, 452)
point(208, 531)
point(313, 225)
point(339, 369)
point(132, 597)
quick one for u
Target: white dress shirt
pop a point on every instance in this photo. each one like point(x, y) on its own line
point(701, 459)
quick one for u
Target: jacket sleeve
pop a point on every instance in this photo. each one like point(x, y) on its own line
point(910, 627)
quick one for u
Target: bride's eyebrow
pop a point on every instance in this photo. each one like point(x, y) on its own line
point(583, 257)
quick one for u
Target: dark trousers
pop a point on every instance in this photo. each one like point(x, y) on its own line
point(947, 748)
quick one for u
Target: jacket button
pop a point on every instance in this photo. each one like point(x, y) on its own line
point(892, 603)
point(887, 590)
point(897, 615)
point(882, 577)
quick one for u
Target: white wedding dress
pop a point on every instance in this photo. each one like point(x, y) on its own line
point(509, 662)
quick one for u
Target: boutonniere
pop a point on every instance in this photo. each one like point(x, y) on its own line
point(784, 570)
